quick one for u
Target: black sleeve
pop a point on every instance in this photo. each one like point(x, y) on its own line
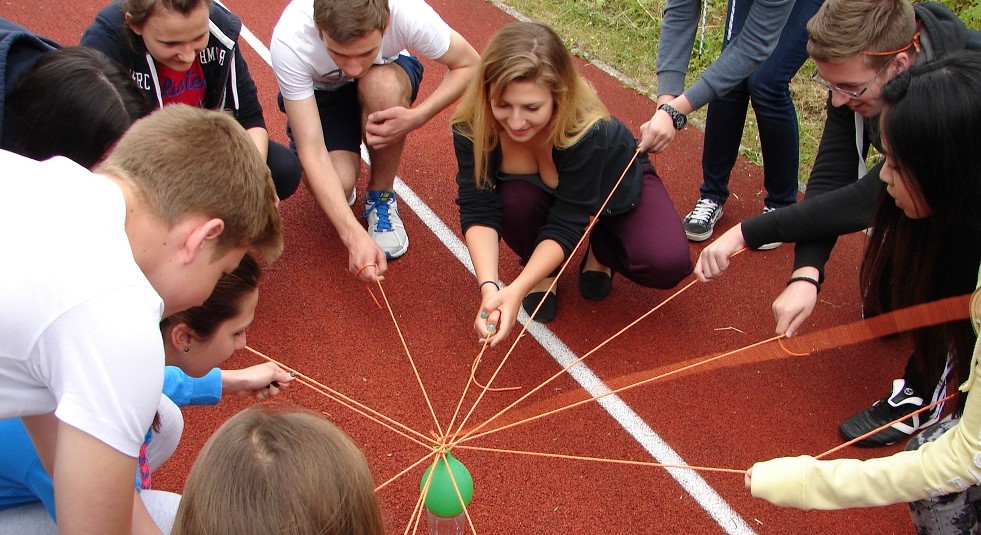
point(836, 165)
point(478, 206)
point(249, 108)
point(825, 217)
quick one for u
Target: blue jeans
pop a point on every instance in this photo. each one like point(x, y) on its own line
point(768, 88)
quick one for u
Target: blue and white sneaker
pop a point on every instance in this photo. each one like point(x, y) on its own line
point(384, 224)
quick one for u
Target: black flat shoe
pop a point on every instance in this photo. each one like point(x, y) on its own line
point(594, 285)
point(548, 310)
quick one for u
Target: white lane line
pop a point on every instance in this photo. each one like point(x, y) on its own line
point(691, 481)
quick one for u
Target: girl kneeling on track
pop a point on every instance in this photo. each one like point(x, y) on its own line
point(195, 341)
point(538, 153)
point(925, 245)
point(186, 51)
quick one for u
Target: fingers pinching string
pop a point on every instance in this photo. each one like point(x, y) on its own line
point(364, 267)
point(372, 294)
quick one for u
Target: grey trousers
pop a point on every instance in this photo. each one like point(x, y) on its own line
point(952, 514)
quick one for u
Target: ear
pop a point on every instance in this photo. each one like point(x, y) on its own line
point(129, 22)
point(200, 235)
point(180, 336)
point(902, 62)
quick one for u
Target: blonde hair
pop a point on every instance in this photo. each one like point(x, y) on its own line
point(843, 29)
point(182, 160)
point(347, 20)
point(526, 51)
point(285, 471)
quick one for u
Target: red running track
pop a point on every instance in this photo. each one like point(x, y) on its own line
point(315, 318)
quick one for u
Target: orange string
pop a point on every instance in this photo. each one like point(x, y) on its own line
point(351, 403)
point(565, 264)
point(604, 460)
point(407, 470)
point(789, 352)
point(884, 325)
point(417, 510)
point(580, 359)
point(459, 496)
point(473, 434)
point(366, 285)
point(886, 426)
point(408, 354)
point(466, 388)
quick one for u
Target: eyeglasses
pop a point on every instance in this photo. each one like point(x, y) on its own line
point(816, 77)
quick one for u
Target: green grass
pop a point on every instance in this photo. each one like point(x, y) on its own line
point(624, 34)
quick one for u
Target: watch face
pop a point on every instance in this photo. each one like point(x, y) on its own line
point(680, 120)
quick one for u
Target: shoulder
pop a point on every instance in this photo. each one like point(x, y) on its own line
point(415, 16)
point(110, 18)
point(20, 48)
point(226, 21)
point(944, 31)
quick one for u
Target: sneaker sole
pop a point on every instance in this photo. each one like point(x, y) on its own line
point(699, 237)
point(399, 253)
point(770, 246)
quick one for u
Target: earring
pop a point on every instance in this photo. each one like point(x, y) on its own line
point(186, 349)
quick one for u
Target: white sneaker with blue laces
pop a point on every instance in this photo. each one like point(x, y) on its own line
point(384, 224)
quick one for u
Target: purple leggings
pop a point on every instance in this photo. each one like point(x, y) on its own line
point(646, 245)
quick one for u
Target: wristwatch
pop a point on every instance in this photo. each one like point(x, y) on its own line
point(680, 119)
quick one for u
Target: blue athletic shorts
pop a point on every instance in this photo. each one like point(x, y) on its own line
point(340, 111)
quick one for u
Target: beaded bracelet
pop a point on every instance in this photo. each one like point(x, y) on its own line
point(496, 285)
point(811, 280)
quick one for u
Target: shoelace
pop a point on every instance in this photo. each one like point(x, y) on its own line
point(384, 224)
point(703, 210)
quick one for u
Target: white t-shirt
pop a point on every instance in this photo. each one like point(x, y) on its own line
point(79, 322)
point(301, 61)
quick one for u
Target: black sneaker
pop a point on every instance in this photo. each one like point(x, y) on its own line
point(700, 222)
point(901, 402)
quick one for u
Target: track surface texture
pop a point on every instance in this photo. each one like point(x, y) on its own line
point(315, 318)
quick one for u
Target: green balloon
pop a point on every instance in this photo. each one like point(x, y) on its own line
point(442, 499)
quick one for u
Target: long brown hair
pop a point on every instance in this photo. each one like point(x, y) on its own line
point(526, 51)
point(286, 471)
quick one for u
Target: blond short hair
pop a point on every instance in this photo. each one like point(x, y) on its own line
point(269, 470)
point(347, 20)
point(843, 29)
point(183, 161)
